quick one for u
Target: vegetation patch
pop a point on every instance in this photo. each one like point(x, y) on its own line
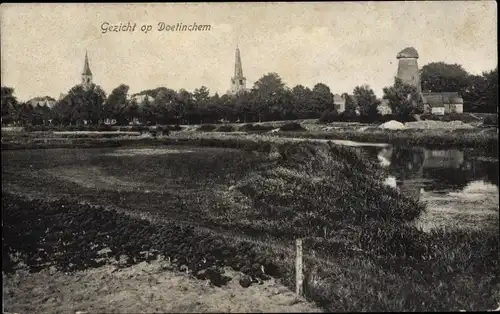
point(294, 126)
point(361, 251)
point(256, 128)
point(206, 128)
point(226, 128)
point(38, 234)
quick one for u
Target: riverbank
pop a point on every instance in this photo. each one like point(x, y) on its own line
point(480, 138)
point(360, 255)
point(485, 139)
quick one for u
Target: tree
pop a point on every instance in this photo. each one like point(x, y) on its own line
point(116, 103)
point(322, 99)
point(491, 91)
point(41, 114)
point(185, 106)
point(404, 99)
point(131, 110)
point(266, 92)
point(201, 99)
point(9, 102)
point(474, 96)
point(148, 111)
point(302, 102)
point(23, 113)
point(243, 106)
point(367, 101)
point(443, 77)
point(162, 103)
point(350, 107)
point(81, 104)
point(94, 103)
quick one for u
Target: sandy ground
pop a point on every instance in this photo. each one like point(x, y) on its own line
point(142, 288)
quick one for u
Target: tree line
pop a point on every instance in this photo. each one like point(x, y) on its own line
point(269, 99)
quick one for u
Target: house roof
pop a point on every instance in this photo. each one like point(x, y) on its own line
point(44, 98)
point(384, 102)
point(441, 99)
point(408, 52)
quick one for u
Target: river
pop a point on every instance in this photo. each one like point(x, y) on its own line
point(459, 186)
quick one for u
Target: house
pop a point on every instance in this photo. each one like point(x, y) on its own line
point(135, 121)
point(383, 107)
point(339, 103)
point(442, 103)
point(109, 121)
point(140, 98)
point(42, 101)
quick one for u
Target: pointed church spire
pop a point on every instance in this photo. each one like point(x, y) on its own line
point(238, 82)
point(86, 67)
point(238, 69)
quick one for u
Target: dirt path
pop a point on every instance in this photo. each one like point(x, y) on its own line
point(142, 288)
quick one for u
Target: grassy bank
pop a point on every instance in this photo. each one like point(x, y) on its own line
point(361, 252)
point(484, 139)
point(400, 270)
point(473, 138)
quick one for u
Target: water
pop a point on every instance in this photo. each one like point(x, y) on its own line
point(460, 187)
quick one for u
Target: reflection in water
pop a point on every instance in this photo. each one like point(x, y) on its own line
point(438, 171)
point(460, 187)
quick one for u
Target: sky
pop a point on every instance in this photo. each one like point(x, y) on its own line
point(340, 44)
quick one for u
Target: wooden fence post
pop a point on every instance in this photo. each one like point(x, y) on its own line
point(298, 268)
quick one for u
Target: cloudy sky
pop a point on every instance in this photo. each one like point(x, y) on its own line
point(339, 44)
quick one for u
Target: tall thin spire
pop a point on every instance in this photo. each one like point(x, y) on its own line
point(238, 81)
point(238, 69)
point(86, 66)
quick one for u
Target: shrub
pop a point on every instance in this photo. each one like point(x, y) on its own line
point(139, 128)
point(294, 126)
point(256, 128)
point(329, 116)
point(226, 128)
point(491, 120)
point(464, 117)
point(104, 127)
point(206, 128)
point(369, 119)
point(175, 127)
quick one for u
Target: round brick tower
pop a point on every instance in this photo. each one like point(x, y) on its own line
point(408, 67)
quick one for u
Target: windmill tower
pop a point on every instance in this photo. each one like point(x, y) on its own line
point(408, 67)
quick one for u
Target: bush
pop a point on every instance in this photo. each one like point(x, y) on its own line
point(294, 126)
point(491, 120)
point(348, 117)
point(206, 128)
point(464, 117)
point(139, 128)
point(226, 128)
point(369, 119)
point(329, 116)
point(175, 127)
point(104, 127)
point(256, 128)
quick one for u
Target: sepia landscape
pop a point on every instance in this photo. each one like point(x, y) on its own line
point(155, 164)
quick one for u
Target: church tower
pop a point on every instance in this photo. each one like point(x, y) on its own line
point(408, 67)
point(238, 82)
point(86, 74)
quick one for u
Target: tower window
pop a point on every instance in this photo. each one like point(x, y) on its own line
point(241, 82)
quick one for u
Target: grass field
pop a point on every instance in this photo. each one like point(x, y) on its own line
point(361, 251)
point(481, 138)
